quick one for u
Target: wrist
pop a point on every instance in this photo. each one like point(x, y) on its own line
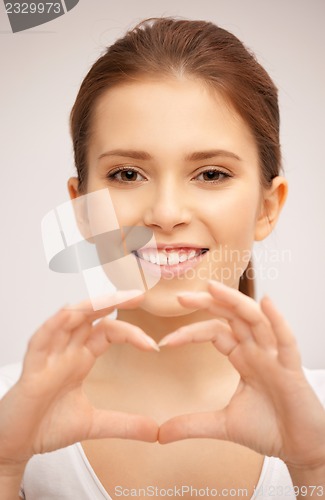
point(11, 475)
point(308, 476)
point(12, 469)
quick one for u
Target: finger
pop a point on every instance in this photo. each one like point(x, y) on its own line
point(194, 425)
point(75, 329)
point(204, 300)
point(84, 311)
point(114, 424)
point(42, 338)
point(215, 331)
point(119, 332)
point(58, 331)
point(246, 309)
point(75, 321)
point(54, 333)
point(288, 353)
point(98, 342)
point(124, 299)
point(79, 336)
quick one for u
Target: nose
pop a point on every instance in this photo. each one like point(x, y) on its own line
point(169, 207)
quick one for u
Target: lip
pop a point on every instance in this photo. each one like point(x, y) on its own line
point(171, 246)
point(171, 271)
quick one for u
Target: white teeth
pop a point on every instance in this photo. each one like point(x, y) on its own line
point(163, 261)
point(170, 258)
point(173, 258)
point(191, 254)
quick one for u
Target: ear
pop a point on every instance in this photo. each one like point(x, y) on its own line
point(273, 199)
point(79, 204)
point(73, 187)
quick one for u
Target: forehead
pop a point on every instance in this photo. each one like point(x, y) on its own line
point(169, 115)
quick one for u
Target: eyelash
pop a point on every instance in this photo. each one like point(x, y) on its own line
point(111, 175)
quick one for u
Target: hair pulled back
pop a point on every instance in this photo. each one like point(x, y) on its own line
point(168, 47)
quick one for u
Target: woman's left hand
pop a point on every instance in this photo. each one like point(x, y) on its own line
point(274, 410)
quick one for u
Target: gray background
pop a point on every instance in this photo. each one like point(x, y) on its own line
point(41, 71)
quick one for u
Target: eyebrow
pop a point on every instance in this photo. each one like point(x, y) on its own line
point(197, 155)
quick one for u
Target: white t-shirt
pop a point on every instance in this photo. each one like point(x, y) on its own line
point(66, 474)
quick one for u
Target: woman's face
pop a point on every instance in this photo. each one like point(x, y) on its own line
point(191, 175)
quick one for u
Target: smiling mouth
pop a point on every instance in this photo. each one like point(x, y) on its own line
point(170, 257)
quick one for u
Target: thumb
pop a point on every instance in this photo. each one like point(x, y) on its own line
point(114, 424)
point(194, 425)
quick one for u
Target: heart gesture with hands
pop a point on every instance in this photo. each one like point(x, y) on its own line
point(274, 410)
point(47, 408)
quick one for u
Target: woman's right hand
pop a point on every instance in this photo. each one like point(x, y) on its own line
point(47, 408)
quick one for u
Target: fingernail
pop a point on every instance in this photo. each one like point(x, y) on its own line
point(214, 282)
point(267, 298)
point(163, 342)
point(152, 343)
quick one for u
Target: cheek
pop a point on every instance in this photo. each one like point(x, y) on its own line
point(110, 209)
point(232, 211)
point(128, 206)
point(101, 212)
point(229, 214)
point(231, 218)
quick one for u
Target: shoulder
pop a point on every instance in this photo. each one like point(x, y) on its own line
point(316, 378)
point(9, 374)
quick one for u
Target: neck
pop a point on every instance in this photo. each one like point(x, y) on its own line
point(185, 379)
point(159, 326)
point(198, 363)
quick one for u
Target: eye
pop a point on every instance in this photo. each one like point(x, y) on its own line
point(124, 175)
point(214, 175)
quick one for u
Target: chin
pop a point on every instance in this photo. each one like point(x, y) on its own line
point(164, 305)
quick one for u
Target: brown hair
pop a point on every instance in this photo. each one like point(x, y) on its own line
point(166, 47)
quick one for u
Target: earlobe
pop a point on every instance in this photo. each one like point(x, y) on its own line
point(80, 208)
point(73, 185)
point(273, 199)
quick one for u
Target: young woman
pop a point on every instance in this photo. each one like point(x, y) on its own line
point(179, 122)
